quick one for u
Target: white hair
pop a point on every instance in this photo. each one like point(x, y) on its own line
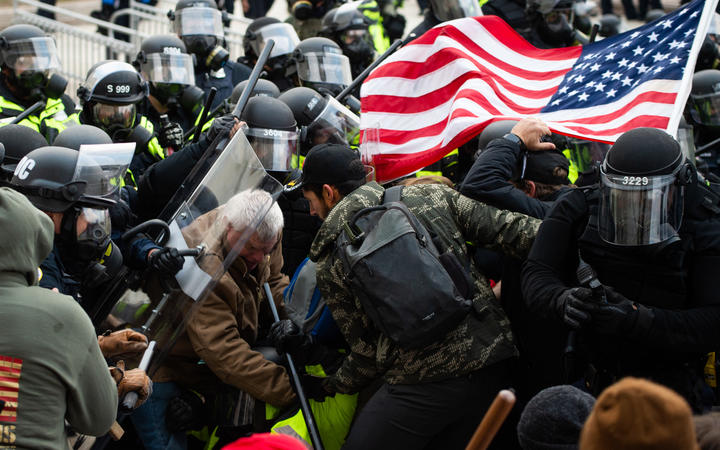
point(243, 209)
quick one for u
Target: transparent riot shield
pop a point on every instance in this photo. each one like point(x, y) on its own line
point(159, 308)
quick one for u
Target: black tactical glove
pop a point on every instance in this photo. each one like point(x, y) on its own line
point(185, 412)
point(314, 388)
point(167, 261)
point(171, 136)
point(286, 337)
point(221, 125)
point(620, 316)
point(574, 305)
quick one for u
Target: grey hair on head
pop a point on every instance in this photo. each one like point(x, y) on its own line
point(243, 209)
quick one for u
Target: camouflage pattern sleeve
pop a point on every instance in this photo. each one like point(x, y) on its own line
point(358, 368)
point(512, 233)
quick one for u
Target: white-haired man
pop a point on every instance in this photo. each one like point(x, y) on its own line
point(214, 358)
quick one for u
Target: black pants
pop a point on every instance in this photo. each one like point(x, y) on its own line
point(442, 414)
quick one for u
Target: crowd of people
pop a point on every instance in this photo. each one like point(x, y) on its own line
point(208, 256)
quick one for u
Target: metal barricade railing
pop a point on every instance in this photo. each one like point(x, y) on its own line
point(78, 42)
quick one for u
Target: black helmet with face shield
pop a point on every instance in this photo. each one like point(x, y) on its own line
point(318, 63)
point(109, 96)
point(445, 10)
point(164, 62)
point(199, 23)
point(28, 58)
point(642, 189)
point(349, 28)
point(272, 132)
point(263, 29)
point(703, 105)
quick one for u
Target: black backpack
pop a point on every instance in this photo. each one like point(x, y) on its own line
point(414, 295)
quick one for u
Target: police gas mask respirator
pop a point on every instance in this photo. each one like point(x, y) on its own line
point(201, 29)
point(29, 66)
point(113, 119)
point(84, 238)
point(209, 54)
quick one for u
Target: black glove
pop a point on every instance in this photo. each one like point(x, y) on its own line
point(185, 412)
point(167, 261)
point(286, 337)
point(620, 316)
point(314, 388)
point(171, 136)
point(221, 125)
point(574, 305)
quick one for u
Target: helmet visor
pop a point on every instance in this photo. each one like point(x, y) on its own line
point(168, 69)
point(639, 210)
point(93, 225)
point(113, 116)
point(328, 68)
point(686, 138)
point(274, 148)
point(34, 54)
point(585, 154)
point(284, 35)
point(455, 9)
point(102, 168)
point(705, 109)
point(335, 124)
point(199, 21)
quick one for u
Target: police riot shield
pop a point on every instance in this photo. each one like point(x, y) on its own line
point(199, 230)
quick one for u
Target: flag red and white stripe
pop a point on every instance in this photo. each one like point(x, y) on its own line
point(442, 89)
point(10, 369)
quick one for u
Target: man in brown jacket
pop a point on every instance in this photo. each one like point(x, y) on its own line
point(215, 353)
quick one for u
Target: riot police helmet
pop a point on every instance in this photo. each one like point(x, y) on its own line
point(18, 141)
point(704, 102)
point(349, 28)
point(27, 57)
point(199, 23)
point(164, 62)
point(272, 132)
point(494, 130)
point(319, 63)
point(642, 189)
point(445, 10)
point(74, 137)
point(109, 95)
point(263, 87)
point(263, 29)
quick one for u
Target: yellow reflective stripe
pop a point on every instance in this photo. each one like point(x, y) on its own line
point(573, 171)
point(316, 371)
point(297, 161)
point(271, 411)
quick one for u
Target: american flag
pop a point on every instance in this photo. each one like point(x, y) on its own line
point(443, 88)
point(10, 369)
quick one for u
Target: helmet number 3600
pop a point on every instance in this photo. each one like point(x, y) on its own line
point(118, 88)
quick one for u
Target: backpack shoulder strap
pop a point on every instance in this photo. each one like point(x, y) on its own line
point(392, 194)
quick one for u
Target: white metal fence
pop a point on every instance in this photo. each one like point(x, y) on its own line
point(80, 45)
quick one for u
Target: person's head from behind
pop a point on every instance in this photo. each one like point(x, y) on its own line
point(330, 172)
point(707, 429)
point(241, 214)
point(542, 173)
point(635, 413)
point(554, 418)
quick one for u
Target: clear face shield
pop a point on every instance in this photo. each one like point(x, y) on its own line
point(199, 21)
point(113, 117)
point(335, 124)
point(274, 148)
point(168, 69)
point(586, 154)
point(32, 55)
point(455, 9)
point(639, 210)
point(284, 35)
point(102, 167)
point(705, 109)
point(325, 68)
point(686, 139)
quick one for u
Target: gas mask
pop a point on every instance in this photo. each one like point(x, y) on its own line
point(113, 118)
point(208, 53)
point(84, 238)
point(176, 96)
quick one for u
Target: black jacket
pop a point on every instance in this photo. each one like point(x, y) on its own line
point(234, 74)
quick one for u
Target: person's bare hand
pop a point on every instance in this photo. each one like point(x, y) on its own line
point(236, 127)
point(531, 130)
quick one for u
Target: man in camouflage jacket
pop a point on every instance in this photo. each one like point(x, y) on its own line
point(436, 395)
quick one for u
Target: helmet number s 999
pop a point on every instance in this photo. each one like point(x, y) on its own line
point(118, 88)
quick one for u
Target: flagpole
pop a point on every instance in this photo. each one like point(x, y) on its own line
point(686, 82)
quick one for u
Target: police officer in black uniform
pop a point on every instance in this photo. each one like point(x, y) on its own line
point(285, 38)
point(703, 113)
point(349, 28)
point(199, 24)
point(319, 63)
point(650, 232)
point(28, 58)
point(165, 63)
